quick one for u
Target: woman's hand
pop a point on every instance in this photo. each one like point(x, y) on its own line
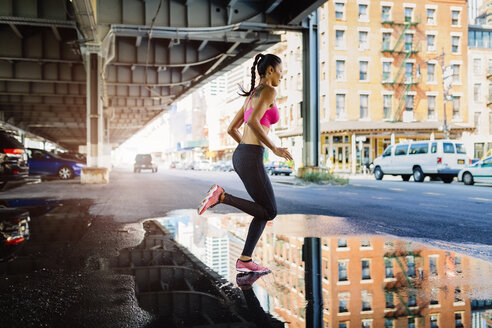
point(282, 152)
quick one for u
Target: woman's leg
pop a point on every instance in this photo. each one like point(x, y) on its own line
point(248, 163)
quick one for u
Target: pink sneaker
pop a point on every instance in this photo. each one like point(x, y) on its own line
point(250, 267)
point(248, 279)
point(212, 199)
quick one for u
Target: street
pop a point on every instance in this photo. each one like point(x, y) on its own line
point(431, 211)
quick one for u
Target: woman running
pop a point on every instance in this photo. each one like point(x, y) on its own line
point(258, 113)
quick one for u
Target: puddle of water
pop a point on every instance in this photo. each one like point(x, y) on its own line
point(368, 281)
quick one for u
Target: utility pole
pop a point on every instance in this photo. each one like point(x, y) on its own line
point(447, 74)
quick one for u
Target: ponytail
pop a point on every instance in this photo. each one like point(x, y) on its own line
point(245, 93)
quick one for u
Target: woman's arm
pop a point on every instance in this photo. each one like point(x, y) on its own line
point(237, 121)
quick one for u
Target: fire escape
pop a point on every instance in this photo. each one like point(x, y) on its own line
point(408, 73)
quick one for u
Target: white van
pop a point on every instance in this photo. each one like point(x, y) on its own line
point(434, 158)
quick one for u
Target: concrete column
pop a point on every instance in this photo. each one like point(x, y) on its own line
point(310, 104)
point(354, 154)
point(95, 172)
point(393, 139)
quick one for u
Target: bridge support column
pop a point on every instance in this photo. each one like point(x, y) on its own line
point(97, 171)
point(310, 104)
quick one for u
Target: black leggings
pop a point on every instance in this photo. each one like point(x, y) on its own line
point(248, 163)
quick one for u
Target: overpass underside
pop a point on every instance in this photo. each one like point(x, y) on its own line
point(94, 72)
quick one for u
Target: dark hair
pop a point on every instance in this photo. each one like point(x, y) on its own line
point(261, 64)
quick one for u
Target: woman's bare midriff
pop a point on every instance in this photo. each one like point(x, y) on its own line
point(249, 136)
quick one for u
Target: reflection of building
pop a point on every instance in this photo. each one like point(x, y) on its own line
point(371, 282)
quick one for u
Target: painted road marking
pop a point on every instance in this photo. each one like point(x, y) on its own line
point(378, 197)
point(347, 193)
point(433, 205)
point(397, 189)
point(433, 193)
point(478, 198)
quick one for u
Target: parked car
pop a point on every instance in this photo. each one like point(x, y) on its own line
point(14, 225)
point(144, 162)
point(276, 168)
point(43, 162)
point(202, 165)
point(73, 156)
point(481, 171)
point(435, 158)
point(13, 159)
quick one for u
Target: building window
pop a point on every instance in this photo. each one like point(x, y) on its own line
point(411, 259)
point(477, 66)
point(490, 94)
point(490, 67)
point(456, 74)
point(366, 270)
point(490, 121)
point(456, 107)
point(388, 323)
point(408, 72)
point(431, 107)
point(363, 40)
point(363, 66)
point(365, 243)
point(434, 321)
point(388, 268)
point(344, 324)
point(340, 105)
point(457, 295)
point(339, 38)
point(433, 265)
point(390, 301)
point(342, 243)
point(431, 70)
point(342, 271)
point(476, 92)
point(366, 323)
point(386, 40)
point(431, 16)
point(458, 320)
point(434, 296)
point(411, 322)
point(343, 300)
point(455, 17)
point(339, 10)
point(366, 301)
point(386, 71)
point(363, 14)
point(431, 43)
point(364, 102)
point(412, 298)
point(340, 70)
point(408, 41)
point(455, 44)
point(386, 13)
point(387, 106)
point(408, 14)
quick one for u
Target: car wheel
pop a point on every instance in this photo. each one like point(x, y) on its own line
point(65, 173)
point(378, 173)
point(447, 179)
point(406, 177)
point(468, 178)
point(418, 175)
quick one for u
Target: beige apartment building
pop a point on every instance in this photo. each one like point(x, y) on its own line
point(381, 77)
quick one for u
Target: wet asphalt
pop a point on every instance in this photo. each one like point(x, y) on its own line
point(60, 277)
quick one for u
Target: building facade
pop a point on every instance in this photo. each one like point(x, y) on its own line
point(381, 76)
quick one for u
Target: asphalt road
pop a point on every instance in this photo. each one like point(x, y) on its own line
point(453, 214)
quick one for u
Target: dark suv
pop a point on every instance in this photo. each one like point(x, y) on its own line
point(144, 162)
point(13, 159)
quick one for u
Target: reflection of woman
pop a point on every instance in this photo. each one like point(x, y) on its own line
point(258, 113)
point(261, 319)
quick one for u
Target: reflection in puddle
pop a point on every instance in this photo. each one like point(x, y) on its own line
point(343, 281)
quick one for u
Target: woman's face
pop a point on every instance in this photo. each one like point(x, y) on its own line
point(276, 75)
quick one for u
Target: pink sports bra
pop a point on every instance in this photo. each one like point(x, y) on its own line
point(270, 117)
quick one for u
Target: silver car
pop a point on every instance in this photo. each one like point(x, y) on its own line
point(481, 171)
